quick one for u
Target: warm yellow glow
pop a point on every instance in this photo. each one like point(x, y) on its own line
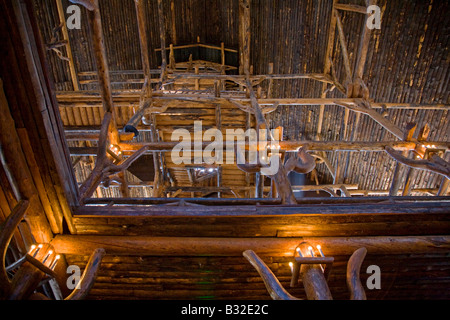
point(291, 265)
point(319, 247)
point(299, 252)
point(55, 262)
point(32, 248)
point(37, 250)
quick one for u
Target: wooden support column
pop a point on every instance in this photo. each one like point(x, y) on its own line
point(327, 68)
point(343, 43)
point(244, 36)
point(95, 21)
point(219, 167)
point(145, 49)
point(445, 182)
point(65, 33)
point(162, 33)
point(283, 185)
point(351, 8)
point(397, 179)
point(364, 46)
point(173, 16)
point(313, 279)
point(273, 286)
point(20, 172)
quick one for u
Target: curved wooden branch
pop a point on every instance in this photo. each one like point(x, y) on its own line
point(327, 163)
point(88, 4)
point(274, 287)
point(88, 187)
point(353, 271)
point(89, 275)
point(436, 164)
point(303, 162)
point(6, 233)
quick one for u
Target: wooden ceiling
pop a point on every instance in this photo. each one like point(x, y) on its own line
point(414, 34)
point(187, 243)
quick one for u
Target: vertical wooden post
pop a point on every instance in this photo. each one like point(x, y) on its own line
point(363, 47)
point(174, 29)
point(244, 36)
point(15, 158)
point(162, 33)
point(145, 49)
point(327, 68)
point(65, 33)
point(343, 42)
point(95, 21)
point(219, 127)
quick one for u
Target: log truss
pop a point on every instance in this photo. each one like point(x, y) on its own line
point(182, 84)
point(200, 82)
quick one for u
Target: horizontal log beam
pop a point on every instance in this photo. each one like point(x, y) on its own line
point(92, 99)
point(289, 146)
point(233, 206)
point(187, 246)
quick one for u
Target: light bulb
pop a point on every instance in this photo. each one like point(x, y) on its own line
point(291, 265)
point(32, 248)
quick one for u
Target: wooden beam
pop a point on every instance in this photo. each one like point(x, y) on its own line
point(173, 16)
point(327, 66)
point(343, 42)
point(313, 278)
point(7, 229)
point(385, 123)
point(187, 246)
point(65, 33)
point(351, 8)
point(363, 47)
point(92, 99)
point(435, 164)
point(291, 146)
point(16, 160)
point(145, 49)
point(89, 276)
point(98, 41)
point(353, 275)
point(244, 36)
point(162, 34)
point(288, 146)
